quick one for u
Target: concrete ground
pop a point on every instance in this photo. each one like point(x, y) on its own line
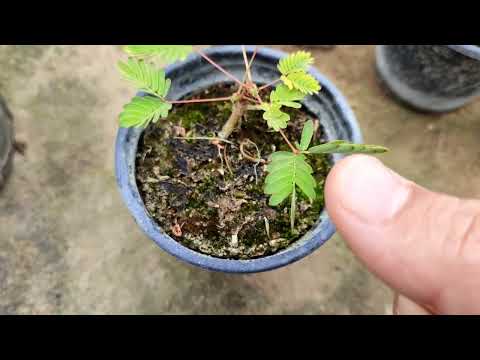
point(69, 246)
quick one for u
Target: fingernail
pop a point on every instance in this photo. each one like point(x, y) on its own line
point(371, 191)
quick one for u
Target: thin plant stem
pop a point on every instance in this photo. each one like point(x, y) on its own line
point(251, 99)
point(248, 156)
point(245, 75)
point(269, 84)
point(247, 65)
point(226, 98)
point(205, 138)
point(249, 74)
point(295, 151)
point(251, 62)
point(253, 56)
point(220, 68)
point(227, 162)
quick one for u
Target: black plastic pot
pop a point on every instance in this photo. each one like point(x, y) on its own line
point(196, 74)
point(432, 78)
point(6, 142)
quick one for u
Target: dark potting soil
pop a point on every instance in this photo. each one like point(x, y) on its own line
point(211, 198)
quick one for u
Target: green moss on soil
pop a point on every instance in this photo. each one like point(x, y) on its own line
point(186, 185)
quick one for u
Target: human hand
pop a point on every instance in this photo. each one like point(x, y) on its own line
point(424, 245)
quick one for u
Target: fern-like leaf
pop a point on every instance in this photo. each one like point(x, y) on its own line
point(145, 77)
point(293, 208)
point(276, 119)
point(142, 110)
point(301, 81)
point(167, 53)
point(287, 171)
point(286, 97)
point(307, 134)
point(344, 147)
point(298, 61)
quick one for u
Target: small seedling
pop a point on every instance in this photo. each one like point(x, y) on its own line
point(288, 171)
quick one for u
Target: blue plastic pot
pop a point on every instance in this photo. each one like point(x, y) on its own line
point(432, 78)
point(195, 74)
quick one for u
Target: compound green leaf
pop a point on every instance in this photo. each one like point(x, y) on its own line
point(284, 96)
point(145, 77)
point(299, 60)
point(276, 119)
point(286, 172)
point(344, 147)
point(167, 53)
point(301, 81)
point(143, 110)
point(307, 134)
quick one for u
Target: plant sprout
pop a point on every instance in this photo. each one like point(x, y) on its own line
point(288, 171)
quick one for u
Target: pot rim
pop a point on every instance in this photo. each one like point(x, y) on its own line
point(472, 51)
point(309, 242)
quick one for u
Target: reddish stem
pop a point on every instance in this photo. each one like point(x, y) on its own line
point(220, 68)
point(247, 64)
point(200, 100)
point(253, 56)
point(251, 98)
point(251, 62)
point(248, 73)
point(259, 98)
point(295, 151)
point(270, 84)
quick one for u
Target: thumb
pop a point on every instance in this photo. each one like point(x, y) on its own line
point(424, 245)
point(404, 306)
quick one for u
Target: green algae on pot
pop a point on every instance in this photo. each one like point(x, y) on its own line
point(217, 172)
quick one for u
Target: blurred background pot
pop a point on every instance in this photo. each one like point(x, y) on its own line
point(432, 78)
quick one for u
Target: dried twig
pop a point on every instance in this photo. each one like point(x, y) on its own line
point(247, 156)
point(227, 162)
point(204, 138)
